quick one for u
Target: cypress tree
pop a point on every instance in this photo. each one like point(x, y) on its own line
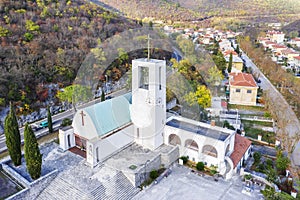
point(33, 157)
point(102, 95)
point(230, 63)
point(50, 125)
point(13, 138)
point(238, 49)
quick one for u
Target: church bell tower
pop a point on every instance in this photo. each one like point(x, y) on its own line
point(148, 110)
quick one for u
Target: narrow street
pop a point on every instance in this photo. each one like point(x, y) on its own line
point(289, 118)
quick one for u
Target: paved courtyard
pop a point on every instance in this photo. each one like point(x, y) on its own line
point(183, 184)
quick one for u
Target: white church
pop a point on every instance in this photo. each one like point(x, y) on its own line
point(139, 118)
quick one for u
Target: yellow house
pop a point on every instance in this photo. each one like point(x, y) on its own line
point(243, 89)
point(237, 63)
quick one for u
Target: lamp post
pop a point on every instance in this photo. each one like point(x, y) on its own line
point(106, 80)
point(146, 168)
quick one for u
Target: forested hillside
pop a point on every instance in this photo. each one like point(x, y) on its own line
point(46, 42)
point(180, 10)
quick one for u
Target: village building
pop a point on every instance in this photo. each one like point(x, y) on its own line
point(243, 89)
point(237, 63)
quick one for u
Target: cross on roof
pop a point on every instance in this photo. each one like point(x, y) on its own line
point(82, 117)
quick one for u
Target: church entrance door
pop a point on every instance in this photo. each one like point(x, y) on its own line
point(80, 142)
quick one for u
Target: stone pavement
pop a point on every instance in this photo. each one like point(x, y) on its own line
point(183, 184)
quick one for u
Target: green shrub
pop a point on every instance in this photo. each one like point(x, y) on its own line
point(66, 122)
point(184, 159)
point(256, 157)
point(247, 176)
point(153, 174)
point(200, 166)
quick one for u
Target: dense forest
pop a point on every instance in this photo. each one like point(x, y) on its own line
point(184, 10)
point(45, 41)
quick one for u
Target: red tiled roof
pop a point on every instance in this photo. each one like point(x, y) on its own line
point(269, 42)
point(297, 57)
point(242, 79)
point(241, 145)
point(278, 46)
point(289, 51)
point(227, 52)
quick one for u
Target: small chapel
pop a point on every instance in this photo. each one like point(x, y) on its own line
point(139, 118)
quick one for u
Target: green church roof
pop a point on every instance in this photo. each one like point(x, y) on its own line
point(110, 114)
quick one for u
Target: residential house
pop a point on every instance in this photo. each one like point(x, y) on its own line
point(277, 49)
point(297, 64)
point(243, 89)
point(289, 54)
point(237, 63)
point(276, 36)
point(225, 44)
point(295, 41)
point(268, 44)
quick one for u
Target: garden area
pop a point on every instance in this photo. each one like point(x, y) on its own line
point(255, 128)
point(276, 172)
point(199, 167)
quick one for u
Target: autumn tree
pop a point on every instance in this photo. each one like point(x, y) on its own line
point(215, 76)
point(220, 61)
point(74, 94)
point(282, 162)
point(32, 154)
point(201, 96)
point(13, 138)
point(49, 117)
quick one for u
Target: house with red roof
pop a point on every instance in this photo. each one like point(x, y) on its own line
point(277, 48)
point(241, 152)
point(289, 54)
point(243, 89)
point(295, 41)
point(276, 36)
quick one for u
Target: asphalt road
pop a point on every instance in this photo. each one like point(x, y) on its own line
point(289, 118)
point(57, 120)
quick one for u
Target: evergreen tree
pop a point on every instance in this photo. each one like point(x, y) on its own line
point(230, 63)
point(13, 138)
point(238, 49)
point(32, 153)
point(102, 95)
point(50, 125)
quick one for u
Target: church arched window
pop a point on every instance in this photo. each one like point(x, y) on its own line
point(174, 139)
point(210, 150)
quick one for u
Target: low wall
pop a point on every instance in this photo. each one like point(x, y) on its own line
point(170, 157)
point(35, 187)
point(138, 177)
point(20, 179)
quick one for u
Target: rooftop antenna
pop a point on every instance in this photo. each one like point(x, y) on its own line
point(148, 38)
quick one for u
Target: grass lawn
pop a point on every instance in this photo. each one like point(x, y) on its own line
point(242, 107)
point(252, 130)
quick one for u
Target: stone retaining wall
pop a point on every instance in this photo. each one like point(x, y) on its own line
point(35, 187)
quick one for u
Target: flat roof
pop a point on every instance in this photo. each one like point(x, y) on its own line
point(198, 129)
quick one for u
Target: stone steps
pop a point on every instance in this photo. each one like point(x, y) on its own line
point(59, 189)
point(118, 188)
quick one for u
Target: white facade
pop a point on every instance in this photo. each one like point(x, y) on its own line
point(208, 147)
point(66, 138)
point(148, 110)
point(100, 149)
